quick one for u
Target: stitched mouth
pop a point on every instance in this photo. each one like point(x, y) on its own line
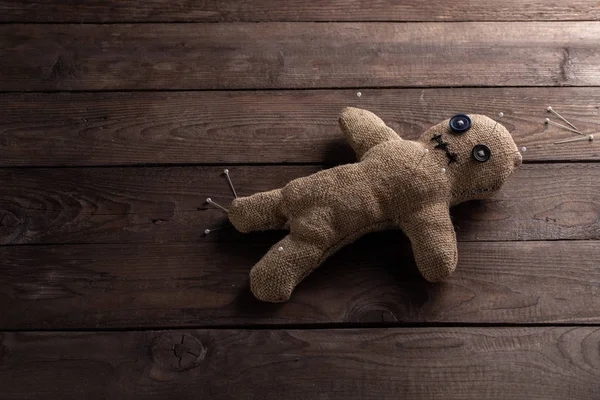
point(444, 146)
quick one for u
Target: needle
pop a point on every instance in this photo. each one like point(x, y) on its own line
point(561, 117)
point(226, 172)
point(207, 231)
point(577, 139)
point(211, 202)
point(547, 121)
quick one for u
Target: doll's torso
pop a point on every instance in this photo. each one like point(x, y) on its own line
point(391, 181)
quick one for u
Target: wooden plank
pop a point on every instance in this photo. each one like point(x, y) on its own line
point(297, 55)
point(305, 10)
point(49, 129)
point(373, 281)
point(159, 205)
point(450, 363)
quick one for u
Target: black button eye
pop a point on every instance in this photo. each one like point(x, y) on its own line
point(481, 153)
point(460, 123)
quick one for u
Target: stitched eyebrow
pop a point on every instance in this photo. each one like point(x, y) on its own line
point(452, 157)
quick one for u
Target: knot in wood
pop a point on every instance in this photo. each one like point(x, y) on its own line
point(173, 351)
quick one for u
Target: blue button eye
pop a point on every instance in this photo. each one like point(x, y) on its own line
point(460, 123)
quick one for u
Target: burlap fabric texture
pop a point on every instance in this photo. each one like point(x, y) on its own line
point(396, 183)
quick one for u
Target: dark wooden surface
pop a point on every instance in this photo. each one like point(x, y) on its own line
point(118, 118)
point(226, 127)
point(450, 363)
point(300, 10)
point(373, 281)
point(167, 204)
point(283, 55)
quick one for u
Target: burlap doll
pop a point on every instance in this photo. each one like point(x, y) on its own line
point(396, 183)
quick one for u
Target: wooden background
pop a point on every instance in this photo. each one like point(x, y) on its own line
point(118, 118)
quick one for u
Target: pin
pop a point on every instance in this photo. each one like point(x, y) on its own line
point(549, 109)
point(207, 231)
point(548, 121)
point(358, 94)
point(211, 202)
point(577, 139)
point(523, 149)
point(226, 172)
point(425, 152)
point(500, 115)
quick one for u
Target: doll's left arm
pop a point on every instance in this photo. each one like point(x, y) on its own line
point(433, 241)
point(363, 130)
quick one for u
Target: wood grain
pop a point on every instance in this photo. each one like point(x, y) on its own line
point(268, 126)
point(450, 363)
point(159, 205)
point(297, 55)
point(373, 282)
point(304, 10)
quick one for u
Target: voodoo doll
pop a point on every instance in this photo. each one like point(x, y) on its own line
point(396, 183)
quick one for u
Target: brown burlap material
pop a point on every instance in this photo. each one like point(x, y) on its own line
point(395, 184)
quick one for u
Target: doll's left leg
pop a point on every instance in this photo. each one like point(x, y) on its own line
point(286, 264)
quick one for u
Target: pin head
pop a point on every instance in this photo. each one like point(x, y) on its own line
point(523, 149)
point(206, 231)
point(549, 109)
point(500, 115)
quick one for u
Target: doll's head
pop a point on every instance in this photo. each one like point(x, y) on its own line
point(480, 154)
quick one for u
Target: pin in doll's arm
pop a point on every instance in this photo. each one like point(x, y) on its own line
point(433, 241)
point(363, 130)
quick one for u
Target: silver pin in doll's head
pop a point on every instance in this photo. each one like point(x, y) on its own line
point(500, 115)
